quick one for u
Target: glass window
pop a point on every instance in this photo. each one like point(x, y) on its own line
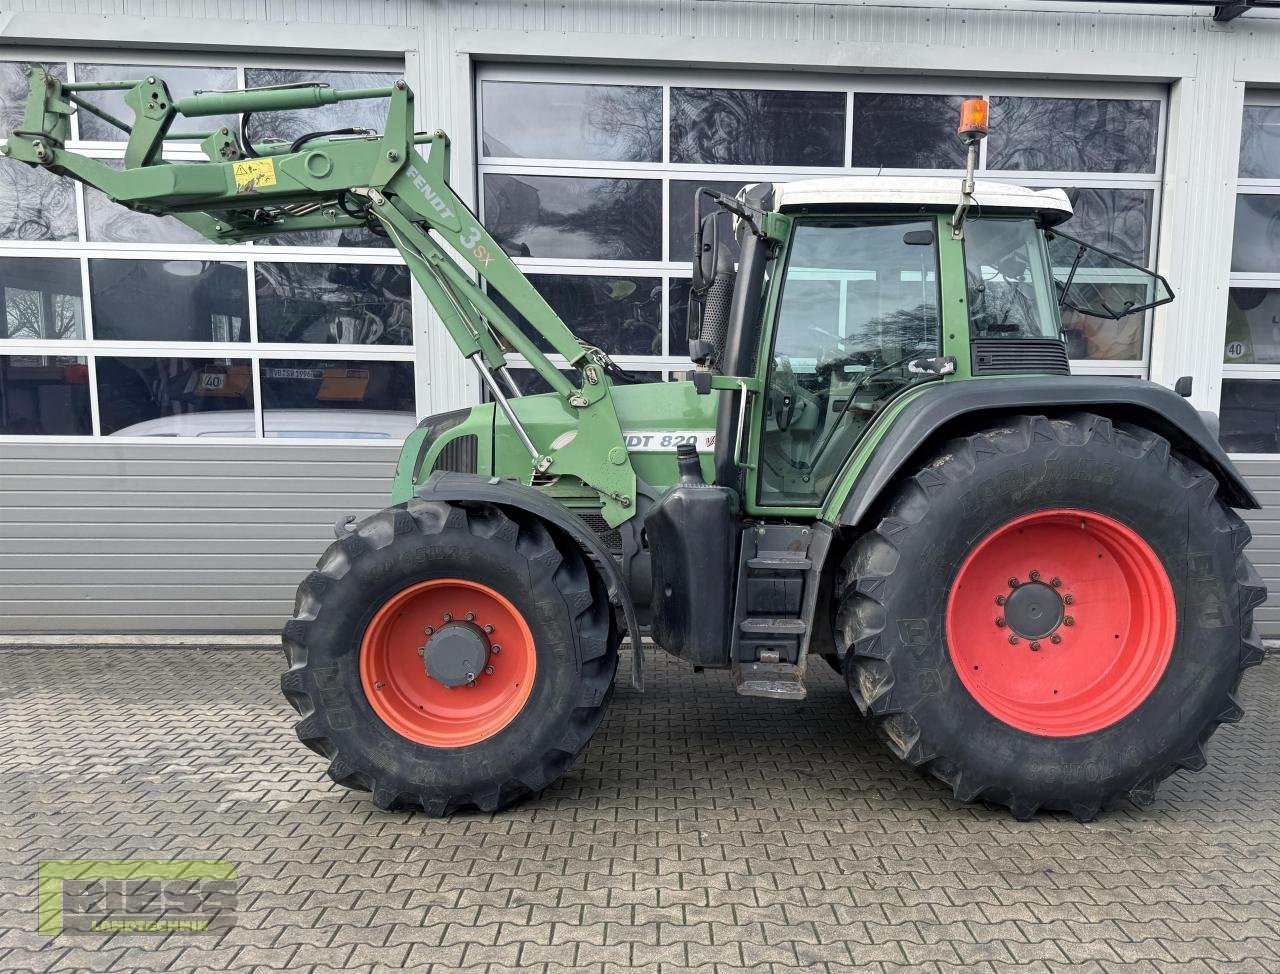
point(678, 315)
point(1255, 246)
point(169, 300)
point(1260, 142)
point(859, 302)
point(1250, 416)
point(907, 131)
point(175, 396)
point(182, 81)
point(681, 194)
point(576, 217)
point(540, 120)
point(41, 298)
point(14, 88)
point(287, 126)
point(1073, 134)
point(333, 304)
point(746, 127)
point(44, 395)
point(108, 222)
point(1010, 294)
point(1118, 220)
point(1253, 326)
point(35, 205)
point(337, 399)
point(620, 314)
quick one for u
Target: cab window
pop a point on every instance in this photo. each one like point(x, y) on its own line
point(859, 305)
point(1008, 282)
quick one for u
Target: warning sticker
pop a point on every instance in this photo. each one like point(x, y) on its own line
point(254, 174)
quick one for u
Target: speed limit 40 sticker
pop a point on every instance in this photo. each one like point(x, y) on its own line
point(665, 441)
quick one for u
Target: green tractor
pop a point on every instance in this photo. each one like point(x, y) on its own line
point(1033, 583)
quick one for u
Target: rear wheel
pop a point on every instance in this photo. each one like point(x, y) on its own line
point(1051, 614)
point(444, 657)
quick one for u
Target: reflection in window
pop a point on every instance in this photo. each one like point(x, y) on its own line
point(1117, 220)
point(680, 201)
point(1250, 416)
point(1073, 134)
point(287, 126)
point(334, 304)
point(14, 88)
point(745, 127)
point(1007, 280)
point(182, 81)
point(1253, 327)
point(44, 395)
point(678, 315)
point(40, 298)
point(337, 399)
point(620, 314)
point(907, 131)
point(35, 205)
point(1102, 339)
point(573, 216)
point(541, 120)
point(169, 300)
point(1260, 142)
point(175, 396)
point(1255, 245)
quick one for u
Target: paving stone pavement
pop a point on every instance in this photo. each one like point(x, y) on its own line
point(700, 832)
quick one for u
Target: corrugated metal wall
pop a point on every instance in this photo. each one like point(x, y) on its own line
point(102, 537)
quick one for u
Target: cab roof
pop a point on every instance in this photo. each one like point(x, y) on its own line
point(942, 192)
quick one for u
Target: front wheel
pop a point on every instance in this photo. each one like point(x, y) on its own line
point(1052, 614)
point(445, 656)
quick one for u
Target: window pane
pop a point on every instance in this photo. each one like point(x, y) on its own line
point(1088, 337)
point(571, 216)
point(1073, 134)
point(14, 88)
point(1253, 326)
point(290, 125)
point(678, 316)
point(742, 127)
point(334, 304)
point(175, 396)
point(1117, 220)
point(1260, 142)
point(338, 237)
point(680, 220)
point(44, 395)
point(182, 81)
point(34, 205)
point(337, 399)
point(41, 298)
point(169, 300)
point(109, 222)
point(907, 131)
point(1255, 245)
point(1250, 416)
point(622, 315)
point(1008, 280)
point(537, 120)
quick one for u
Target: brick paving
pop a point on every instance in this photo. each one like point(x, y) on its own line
point(700, 832)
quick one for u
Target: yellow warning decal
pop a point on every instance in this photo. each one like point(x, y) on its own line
point(254, 174)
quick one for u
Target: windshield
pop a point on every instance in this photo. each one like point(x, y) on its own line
point(1008, 280)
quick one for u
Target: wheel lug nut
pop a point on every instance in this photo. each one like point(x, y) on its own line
point(488, 671)
point(1069, 599)
point(1055, 639)
point(1035, 647)
point(1035, 576)
point(471, 617)
point(429, 630)
point(1001, 623)
point(488, 628)
point(999, 600)
point(448, 617)
point(422, 650)
point(1056, 582)
point(471, 678)
point(1013, 640)
point(495, 650)
point(1013, 583)
point(1068, 621)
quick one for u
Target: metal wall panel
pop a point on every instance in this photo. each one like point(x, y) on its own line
point(1264, 551)
point(104, 537)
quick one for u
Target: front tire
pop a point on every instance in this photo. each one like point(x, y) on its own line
point(1118, 657)
point(446, 656)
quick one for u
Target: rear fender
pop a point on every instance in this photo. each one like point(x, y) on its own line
point(513, 495)
point(945, 409)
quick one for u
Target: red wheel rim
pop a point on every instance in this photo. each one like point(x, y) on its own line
point(1093, 662)
point(416, 705)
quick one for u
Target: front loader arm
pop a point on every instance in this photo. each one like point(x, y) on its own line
point(350, 179)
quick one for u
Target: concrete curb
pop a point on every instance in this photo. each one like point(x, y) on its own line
point(144, 641)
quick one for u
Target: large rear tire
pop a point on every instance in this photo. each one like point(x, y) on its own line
point(1117, 658)
point(444, 657)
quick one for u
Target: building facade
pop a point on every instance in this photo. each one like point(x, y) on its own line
point(181, 423)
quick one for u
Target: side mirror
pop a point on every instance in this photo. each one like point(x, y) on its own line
point(706, 252)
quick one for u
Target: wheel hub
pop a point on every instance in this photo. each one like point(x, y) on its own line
point(1034, 610)
point(456, 653)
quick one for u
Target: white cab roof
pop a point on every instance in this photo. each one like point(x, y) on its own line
point(931, 191)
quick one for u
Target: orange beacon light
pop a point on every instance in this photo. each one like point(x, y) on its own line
point(973, 119)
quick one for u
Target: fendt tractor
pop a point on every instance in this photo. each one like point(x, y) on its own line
point(1034, 583)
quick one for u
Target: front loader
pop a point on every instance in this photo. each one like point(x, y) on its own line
point(1033, 583)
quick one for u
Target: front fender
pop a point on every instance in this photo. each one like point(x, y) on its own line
point(945, 408)
point(514, 495)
